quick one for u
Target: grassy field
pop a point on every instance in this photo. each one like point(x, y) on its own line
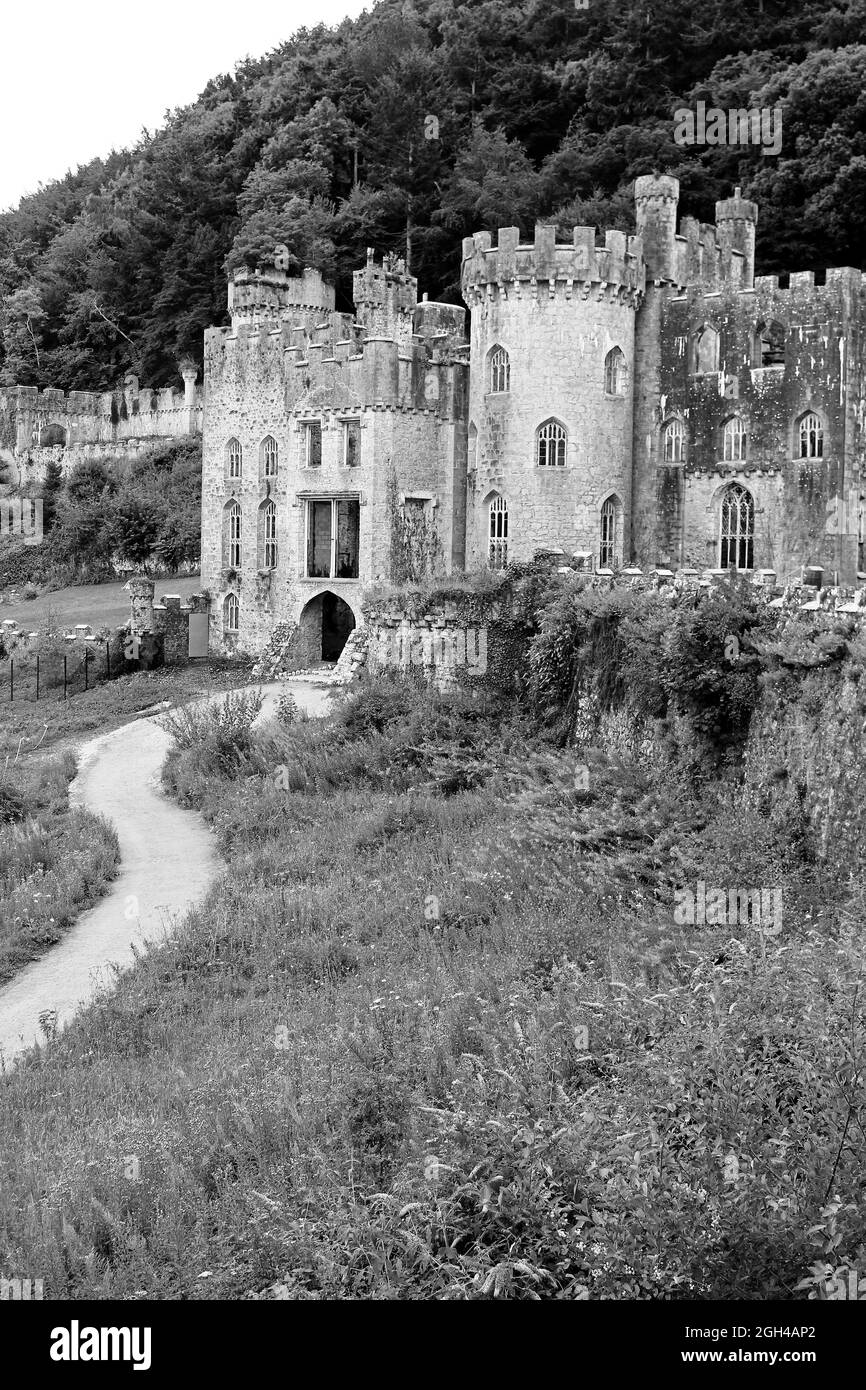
point(54, 860)
point(101, 605)
point(438, 1035)
point(31, 727)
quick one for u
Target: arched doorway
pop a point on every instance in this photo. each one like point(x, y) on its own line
point(325, 624)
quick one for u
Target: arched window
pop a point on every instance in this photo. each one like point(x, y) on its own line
point(497, 550)
point(269, 456)
point(231, 613)
point(550, 442)
point(810, 437)
point(769, 348)
point(615, 373)
point(234, 459)
point(706, 350)
point(472, 452)
point(232, 536)
point(499, 370)
point(674, 441)
point(735, 440)
point(737, 529)
point(268, 536)
point(607, 538)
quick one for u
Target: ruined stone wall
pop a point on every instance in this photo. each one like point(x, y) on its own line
point(477, 645)
point(37, 427)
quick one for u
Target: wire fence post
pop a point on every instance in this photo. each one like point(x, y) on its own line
point(86, 655)
point(37, 675)
point(107, 660)
point(11, 677)
point(64, 677)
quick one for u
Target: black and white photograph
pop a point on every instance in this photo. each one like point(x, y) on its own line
point(432, 676)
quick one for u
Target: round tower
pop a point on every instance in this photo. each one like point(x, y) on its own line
point(656, 198)
point(552, 344)
point(270, 296)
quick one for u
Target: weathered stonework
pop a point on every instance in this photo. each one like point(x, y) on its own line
point(545, 431)
point(37, 427)
point(267, 379)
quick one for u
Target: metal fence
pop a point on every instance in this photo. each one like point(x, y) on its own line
point(34, 677)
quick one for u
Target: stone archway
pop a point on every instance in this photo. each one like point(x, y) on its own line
point(324, 627)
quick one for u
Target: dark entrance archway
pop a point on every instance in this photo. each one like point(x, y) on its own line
point(325, 624)
point(338, 621)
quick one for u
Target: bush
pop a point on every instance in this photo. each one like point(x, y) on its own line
point(218, 730)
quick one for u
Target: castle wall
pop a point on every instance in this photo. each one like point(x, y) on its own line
point(806, 509)
point(39, 426)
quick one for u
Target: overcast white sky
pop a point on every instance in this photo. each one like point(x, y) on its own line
point(82, 77)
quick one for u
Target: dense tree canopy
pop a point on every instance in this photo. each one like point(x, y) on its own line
point(414, 125)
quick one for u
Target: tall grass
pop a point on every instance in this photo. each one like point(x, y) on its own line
point(54, 860)
point(437, 1035)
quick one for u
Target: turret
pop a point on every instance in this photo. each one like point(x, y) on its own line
point(268, 296)
point(385, 298)
point(736, 220)
point(656, 199)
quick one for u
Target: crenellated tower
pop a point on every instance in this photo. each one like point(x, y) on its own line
point(551, 380)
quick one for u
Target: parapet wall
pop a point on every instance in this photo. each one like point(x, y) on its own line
point(37, 425)
point(321, 370)
point(574, 270)
point(267, 296)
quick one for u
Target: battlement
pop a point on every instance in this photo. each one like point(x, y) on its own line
point(574, 269)
point(337, 364)
point(261, 296)
point(35, 419)
point(385, 296)
point(845, 279)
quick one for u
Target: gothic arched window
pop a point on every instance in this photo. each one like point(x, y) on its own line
point(269, 454)
point(674, 441)
point(497, 548)
point(499, 369)
point(734, 440)
point(231, 613)
point(268, 536)
point(550, 441)
point(232, 536)
point(234, 460)
point(737, 529)
point(769, 348)
point(607, 537)
point(615, 373)
point(706, 350)
point(810, 437)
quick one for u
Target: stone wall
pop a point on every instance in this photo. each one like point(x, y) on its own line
point(168, 620)
point(474, 643)
point(37, 427)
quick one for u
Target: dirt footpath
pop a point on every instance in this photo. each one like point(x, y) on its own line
point(167, 863)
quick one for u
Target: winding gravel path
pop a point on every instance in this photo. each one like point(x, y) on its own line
point(167, 863)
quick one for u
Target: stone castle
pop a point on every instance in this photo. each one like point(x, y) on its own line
point(646, 401)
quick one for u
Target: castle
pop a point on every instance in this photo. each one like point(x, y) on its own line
point(645, 401)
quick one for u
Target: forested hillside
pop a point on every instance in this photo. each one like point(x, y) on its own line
point(544, 110)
